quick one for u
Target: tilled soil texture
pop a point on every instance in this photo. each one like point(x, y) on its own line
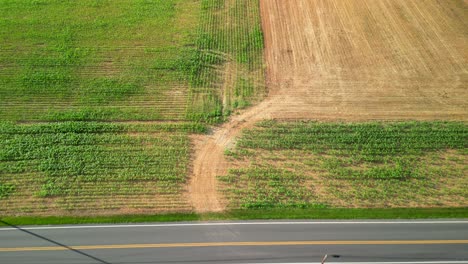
point(367, 59)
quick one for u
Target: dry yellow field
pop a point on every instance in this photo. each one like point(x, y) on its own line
point(367, 59)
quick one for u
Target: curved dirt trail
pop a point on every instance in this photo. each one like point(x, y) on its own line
point(209, 159)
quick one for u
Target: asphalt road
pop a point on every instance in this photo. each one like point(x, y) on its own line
point(412, 242)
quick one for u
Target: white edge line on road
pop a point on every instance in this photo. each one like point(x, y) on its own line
point(410, 262)
point(232, 224)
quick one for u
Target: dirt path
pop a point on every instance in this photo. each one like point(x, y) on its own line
point(348, 60)
point(209, 159)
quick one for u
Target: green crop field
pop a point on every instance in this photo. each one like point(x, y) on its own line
point(128, 59)
point(61, 168)
point(78, 77)
point(314, 164)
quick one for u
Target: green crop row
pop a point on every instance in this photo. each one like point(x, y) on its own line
point(99, 127)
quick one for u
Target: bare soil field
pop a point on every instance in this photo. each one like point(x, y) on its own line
point(362, 60)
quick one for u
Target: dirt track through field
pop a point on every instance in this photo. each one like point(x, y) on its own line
point(348, 60)
point(209, 161)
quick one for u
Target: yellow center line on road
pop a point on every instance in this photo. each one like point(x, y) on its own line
point(236, 244)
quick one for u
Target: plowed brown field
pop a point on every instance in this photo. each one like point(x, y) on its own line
point(367, 59)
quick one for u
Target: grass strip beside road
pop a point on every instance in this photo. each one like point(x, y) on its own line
point(331, 213)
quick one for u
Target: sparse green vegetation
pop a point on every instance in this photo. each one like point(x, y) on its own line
point(86, 166)
point(314, 164)
point(6, 189)
point(226, 68)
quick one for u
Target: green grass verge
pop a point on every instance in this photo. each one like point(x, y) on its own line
point(334, 213)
